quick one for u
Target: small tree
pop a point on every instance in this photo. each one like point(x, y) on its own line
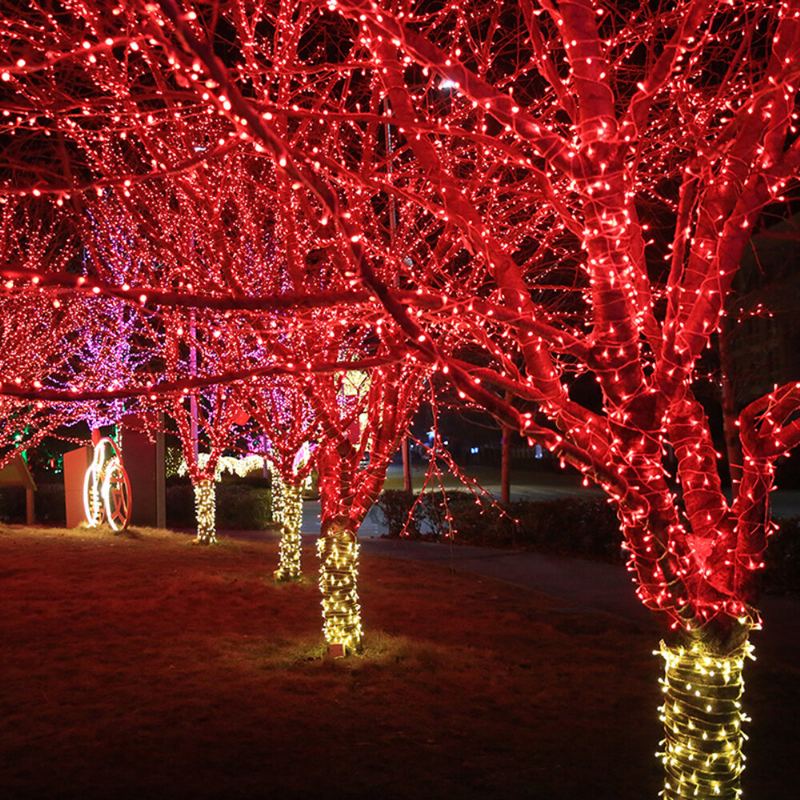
point(283, 413)
point(364, 416)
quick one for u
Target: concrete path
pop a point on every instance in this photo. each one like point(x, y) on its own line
point(580, 585)
point(586, 586)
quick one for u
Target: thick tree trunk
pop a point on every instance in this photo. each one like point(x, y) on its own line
point(338, 583)
point(205, 511)
point(702, 716)
point(289, 547)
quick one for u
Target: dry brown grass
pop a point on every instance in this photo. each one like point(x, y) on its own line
point(143, 666)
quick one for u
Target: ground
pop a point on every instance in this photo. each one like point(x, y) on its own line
point(144, 666)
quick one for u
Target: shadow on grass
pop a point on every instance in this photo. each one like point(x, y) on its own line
point(382, 651)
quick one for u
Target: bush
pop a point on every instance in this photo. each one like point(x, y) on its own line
point(50, 503)
point(395, 505)
point(569, 526)
point(457, 514)
point(239, 506)
point(12, 504)
point(576, 526)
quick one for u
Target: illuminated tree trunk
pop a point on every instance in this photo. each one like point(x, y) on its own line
point(338, 582)
point(290, 545)
point(276, 495)
point(702, 716)
point(205, 511)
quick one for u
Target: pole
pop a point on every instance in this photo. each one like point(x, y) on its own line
point(505, 476)
point(193, 397)
point(408, 486)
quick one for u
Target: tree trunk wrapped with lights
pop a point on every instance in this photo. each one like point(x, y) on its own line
point(276, 496)
point(288, 426)
point(364, 417)
point(291, 518)
point(205, 510)
point(338, 583)
point(702, 715)
point(208, 419)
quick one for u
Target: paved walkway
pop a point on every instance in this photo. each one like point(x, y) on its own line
point(579, 585)
point(582, 585)
point(588, 586)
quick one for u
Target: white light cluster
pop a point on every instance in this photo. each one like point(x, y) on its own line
point(205, 511)
point(702, 716)
point(233, 466)
point(338, 576)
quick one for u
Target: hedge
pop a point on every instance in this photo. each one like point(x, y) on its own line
point(585, 527)
point(240, 505)
point(48, 502)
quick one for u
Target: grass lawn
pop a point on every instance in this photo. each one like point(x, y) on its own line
point(142, 666)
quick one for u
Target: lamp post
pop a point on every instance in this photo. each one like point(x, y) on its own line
point(404, 449)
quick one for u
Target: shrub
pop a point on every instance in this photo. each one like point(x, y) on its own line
point(577, 526)
point(469, 522)
point(50, 503)
point(239, 506)
point(395, 505)
point(12, 504)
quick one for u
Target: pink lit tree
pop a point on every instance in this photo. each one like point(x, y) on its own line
point(364, 416)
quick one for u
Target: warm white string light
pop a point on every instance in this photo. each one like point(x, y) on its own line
point(205, 511)
point(702, 716)
point(241, 467)
point(338, 580)
point(290, 545)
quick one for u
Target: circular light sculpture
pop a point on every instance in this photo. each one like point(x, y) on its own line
point(106, 488)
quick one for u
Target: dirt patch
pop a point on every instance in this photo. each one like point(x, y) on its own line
point(144, 666)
